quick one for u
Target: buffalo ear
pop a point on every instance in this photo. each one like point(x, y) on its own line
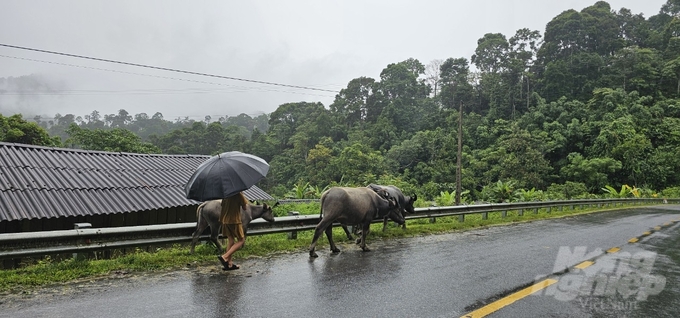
point(415, 197)
point(275, 204)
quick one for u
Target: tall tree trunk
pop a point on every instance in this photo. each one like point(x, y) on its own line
point(527, 93)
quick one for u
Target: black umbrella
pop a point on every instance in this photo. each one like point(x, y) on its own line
point(224, 175)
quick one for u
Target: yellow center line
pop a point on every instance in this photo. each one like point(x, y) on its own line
point(613, 250)
point(667, 224)
point(507, 300)
point(584, 264)
point(657, 228)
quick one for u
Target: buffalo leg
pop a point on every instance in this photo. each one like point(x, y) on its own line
point(349, 235)
point(385, 220)
point(200, 227)
point(357, 232)
point(214, 234)
point(329, 235)
point(364, 233)
point(318, 231)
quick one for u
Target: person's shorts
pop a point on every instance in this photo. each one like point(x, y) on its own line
point(235, 230)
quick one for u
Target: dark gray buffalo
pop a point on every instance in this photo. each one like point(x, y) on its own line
point(405, 203)
point(351, 206)
point(208, 215)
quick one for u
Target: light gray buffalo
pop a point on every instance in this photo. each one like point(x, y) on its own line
point(351, 206)
point(208, 215)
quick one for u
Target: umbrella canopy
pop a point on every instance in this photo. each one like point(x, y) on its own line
point(224, 175)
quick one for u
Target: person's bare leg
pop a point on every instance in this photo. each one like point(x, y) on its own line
point(234, 247)
point(230, 244)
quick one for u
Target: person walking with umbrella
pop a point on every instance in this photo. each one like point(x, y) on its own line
point(232, 228)
point(225, 176)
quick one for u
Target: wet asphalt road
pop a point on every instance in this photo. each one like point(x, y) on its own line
point(435, 276)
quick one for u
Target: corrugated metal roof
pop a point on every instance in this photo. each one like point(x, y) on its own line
point(44, 182)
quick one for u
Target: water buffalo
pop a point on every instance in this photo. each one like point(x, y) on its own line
point(405, 203)
point(351, 206)
point(208, 215)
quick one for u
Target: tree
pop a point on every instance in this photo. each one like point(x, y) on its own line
point(634, 29)
point(594, 172)
point(575, 48)
point(671, 7)
point(491, 53)
point(523, 47)
point(636, 69)
point(398, 97)
point(285, 120)
point(432, 75)
point(619, 139)
point(357, 163)
point(17, 130)
point(351, 104)
point(671, 70)
point(455, 84)
point(117, 140)
point(518, 156)
point(319, 164)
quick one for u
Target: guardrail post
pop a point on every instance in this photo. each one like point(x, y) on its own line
point(461, 218)
point(504, 214)
point(535, 210)
point(292, 235)
point(81, 256)
point(485, 216)
point(549, 209)
point(433, 219)
point(520, 212)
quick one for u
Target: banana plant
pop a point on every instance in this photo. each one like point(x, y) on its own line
point(503, 191)
point(316, 191)
point(613, 193)
point(447, 198)
point(523, 195)
point(300, 190)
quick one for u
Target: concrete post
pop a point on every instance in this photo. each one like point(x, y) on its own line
point(293, 234)
point(81, 256)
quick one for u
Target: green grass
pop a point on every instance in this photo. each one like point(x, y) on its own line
point(46, 271)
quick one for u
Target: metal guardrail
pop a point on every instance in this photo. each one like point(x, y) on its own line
point(81, 240)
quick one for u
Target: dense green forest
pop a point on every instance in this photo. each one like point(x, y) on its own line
point(590, 106)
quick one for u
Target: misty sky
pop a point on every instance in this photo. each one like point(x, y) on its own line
point(314, 43)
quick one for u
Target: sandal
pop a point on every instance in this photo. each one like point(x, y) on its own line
point(225, 264)
point(231, 268)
